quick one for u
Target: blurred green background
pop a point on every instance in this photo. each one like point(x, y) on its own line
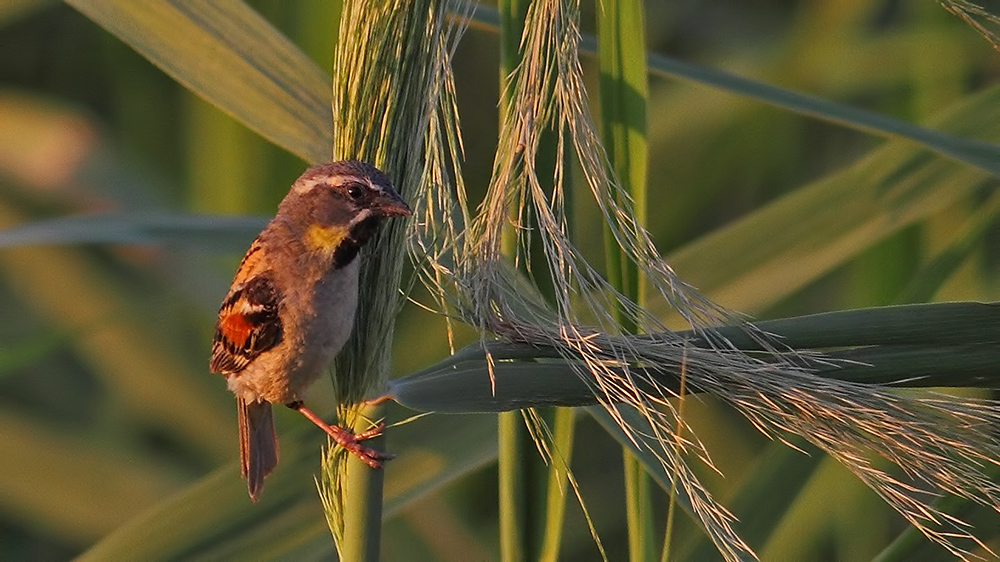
point(106, 404)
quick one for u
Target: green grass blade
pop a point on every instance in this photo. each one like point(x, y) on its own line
point(59, 483)
point(624, 95)
point(941, 344)
point(933, 275)
point(228, 54)
point(639, 512)
point(984, 155)
point(213, 519)
point(949, 323)
point(363, 500)
point(212, 233)
point(766, 256)
point(779, 475)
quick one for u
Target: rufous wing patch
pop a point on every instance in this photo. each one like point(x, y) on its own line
point(236, 327)
point(248, 325)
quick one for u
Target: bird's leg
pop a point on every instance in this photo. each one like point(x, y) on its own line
point(346, 439)
point(377, 401)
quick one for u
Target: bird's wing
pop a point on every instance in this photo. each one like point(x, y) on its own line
point(248, 324)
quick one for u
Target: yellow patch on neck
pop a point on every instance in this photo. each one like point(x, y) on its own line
point(325, 238)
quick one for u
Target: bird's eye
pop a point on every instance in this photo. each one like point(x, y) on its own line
point(355, 191)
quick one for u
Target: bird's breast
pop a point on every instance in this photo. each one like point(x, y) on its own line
point(335, 303)
point(332, 303)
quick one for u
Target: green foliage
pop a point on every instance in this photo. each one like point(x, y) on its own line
point(118, 443)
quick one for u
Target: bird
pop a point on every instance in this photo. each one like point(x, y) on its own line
point(292, 302)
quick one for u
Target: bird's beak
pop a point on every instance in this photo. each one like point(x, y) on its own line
point(390, 204)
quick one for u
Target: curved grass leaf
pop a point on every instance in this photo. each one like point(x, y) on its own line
point(984, 155)
point(12, 10)
point(950, 323)
point(212, 519)
point(60, 482)
point(947, 344)
point(219, 233)
point(528, 384)
point(932, 276)
point(228, 54)
point(778, 477)
point(762, 258)
point(237, 61)
point(124, 349)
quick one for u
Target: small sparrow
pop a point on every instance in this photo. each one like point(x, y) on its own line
point(291, 305)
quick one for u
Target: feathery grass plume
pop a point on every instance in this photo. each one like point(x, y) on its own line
point(978, 17)
point(387, 67)
point(941, 445)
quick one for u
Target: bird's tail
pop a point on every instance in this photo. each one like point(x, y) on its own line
point(258, 443)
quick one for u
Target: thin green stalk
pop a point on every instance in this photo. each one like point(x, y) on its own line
point(621, 54)
point(511, 431)
point(510, 484)
point(623, 116)
point(638, 509)
point(545, 524)
point(672, 507)
point(363, 500)
point(563, 432)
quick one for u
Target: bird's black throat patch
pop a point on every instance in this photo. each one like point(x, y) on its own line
point(355, 240)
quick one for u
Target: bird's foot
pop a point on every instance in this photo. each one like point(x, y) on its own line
point(351, 442)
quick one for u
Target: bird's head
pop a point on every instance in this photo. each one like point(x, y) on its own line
point(341, 203)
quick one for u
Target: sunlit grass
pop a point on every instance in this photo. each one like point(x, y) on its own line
point(791, 257)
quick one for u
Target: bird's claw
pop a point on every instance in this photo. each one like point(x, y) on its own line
point(351, 442)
